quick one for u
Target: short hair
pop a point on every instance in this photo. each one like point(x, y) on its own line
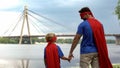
point(49, 36)
point(84, 9)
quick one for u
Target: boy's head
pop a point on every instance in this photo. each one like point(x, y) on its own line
point(51, 37)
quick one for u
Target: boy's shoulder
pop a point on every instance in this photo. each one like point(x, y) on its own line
point(57, 45)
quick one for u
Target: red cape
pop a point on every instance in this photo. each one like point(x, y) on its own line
point(52, 59)
point(100, 41)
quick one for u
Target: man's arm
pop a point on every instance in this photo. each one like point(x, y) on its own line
point(74, 44)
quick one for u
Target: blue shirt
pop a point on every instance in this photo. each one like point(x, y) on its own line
point(88, 43)
point(60, 53)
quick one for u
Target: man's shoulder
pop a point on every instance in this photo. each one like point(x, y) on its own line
point(83, 23)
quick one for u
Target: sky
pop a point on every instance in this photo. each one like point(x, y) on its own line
point(63, 12)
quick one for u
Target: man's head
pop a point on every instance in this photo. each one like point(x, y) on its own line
point(50, 37)
point(85, 12)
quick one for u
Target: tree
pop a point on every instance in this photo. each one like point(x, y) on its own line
point(117, 10)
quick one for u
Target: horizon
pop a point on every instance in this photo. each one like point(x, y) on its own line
point(65, 13)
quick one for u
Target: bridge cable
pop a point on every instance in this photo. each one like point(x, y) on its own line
point(34, 25)
point(37, 20)
point(11, 26)
point(49, 19)
point(16, 25)
point(41, 23)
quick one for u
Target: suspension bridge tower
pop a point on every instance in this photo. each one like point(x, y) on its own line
point(25, 20)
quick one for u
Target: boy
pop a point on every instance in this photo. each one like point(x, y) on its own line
point(53, 53)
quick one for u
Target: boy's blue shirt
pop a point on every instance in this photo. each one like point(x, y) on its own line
point(88, 43)
point(60, 53)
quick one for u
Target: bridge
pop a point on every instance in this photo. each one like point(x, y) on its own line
point(117, 36)
point(39, 28)
point(28, 14)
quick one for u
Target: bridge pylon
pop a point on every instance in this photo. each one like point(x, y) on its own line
point(117, 40)
point(25, 19)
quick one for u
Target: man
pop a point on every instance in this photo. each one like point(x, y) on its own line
point(93, 49)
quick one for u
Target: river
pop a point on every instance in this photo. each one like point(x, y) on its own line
point(38, 50)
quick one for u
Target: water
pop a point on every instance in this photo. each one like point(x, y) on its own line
point(11, 55)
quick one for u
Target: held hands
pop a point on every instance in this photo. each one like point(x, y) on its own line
point(68, 60)
point(70, 57)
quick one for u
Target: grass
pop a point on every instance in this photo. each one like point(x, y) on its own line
point(114, 66)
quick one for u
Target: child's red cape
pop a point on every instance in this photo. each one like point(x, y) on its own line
point(100, 41)
point(52, 59)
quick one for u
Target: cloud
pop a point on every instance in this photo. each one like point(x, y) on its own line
point(8, 20)
point(69, 3)
point(6, 4)
point(63, 11)
point(54, 3)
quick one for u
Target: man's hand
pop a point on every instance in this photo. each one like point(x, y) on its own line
point(70, 56)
